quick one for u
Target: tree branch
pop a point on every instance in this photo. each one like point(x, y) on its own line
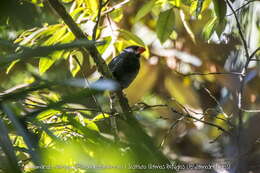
point(101, 6)
point(209, 73)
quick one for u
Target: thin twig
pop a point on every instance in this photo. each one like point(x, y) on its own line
point(187, 114)
point(253, 54)
point(210, 73)
point(239, 29)
point(101, 5)
point(255, 60)
point(202, 121)
point(169, 130)
point(251, 111)
point(242, 78)
point(120, 5)
point(236, 10)
point(216, 101)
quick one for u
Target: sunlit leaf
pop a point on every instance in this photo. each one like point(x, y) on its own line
point(131, 37)
point(209, 28)
point(164, 26)
point(77, 11)
point(102, 48)
point(176, 3)
point(117, 15)
point(45, 64)
point(100, 117)
point(75, 61)
point(68, 37)
point(220, 120)
point(67, 1)
point(55, 37)
point(146, 8)
point(92, 5)
point(11, 66)
point(36, 2)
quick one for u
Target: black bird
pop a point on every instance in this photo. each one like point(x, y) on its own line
point(126, 65)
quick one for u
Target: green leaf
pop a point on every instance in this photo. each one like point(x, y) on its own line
point(67, 38)
point(220, 9)
point(55, 37)
point(209, 28)
point(47, 114)
point(91, 125)
point(165, 23)
point(86, 123)
point(45, 64)
point(220, 27)
point(102, 48)
point(131, 37)
point(117, 15)
point(146, 8)
point(75, 58)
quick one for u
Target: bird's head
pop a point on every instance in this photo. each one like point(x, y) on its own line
point(137, 50)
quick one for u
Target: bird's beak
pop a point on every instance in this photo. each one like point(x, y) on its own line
point(140, 50)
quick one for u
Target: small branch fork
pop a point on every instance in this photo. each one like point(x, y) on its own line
point(144, 106)
point(244, 5)
point(101, 6)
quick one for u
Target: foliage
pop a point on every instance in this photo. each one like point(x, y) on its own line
point(187, 95)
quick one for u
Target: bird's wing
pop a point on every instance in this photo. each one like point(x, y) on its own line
point(116, 62)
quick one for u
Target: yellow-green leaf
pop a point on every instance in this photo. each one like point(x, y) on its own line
point(209, 28)
point(146, 8)
point(75, 61)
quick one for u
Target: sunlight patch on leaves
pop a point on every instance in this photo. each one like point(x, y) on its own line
point(44, 64)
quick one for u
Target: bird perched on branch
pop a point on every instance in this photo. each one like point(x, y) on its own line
point(126, 65)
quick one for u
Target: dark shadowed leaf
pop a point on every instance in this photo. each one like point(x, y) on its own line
point(220, 9)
